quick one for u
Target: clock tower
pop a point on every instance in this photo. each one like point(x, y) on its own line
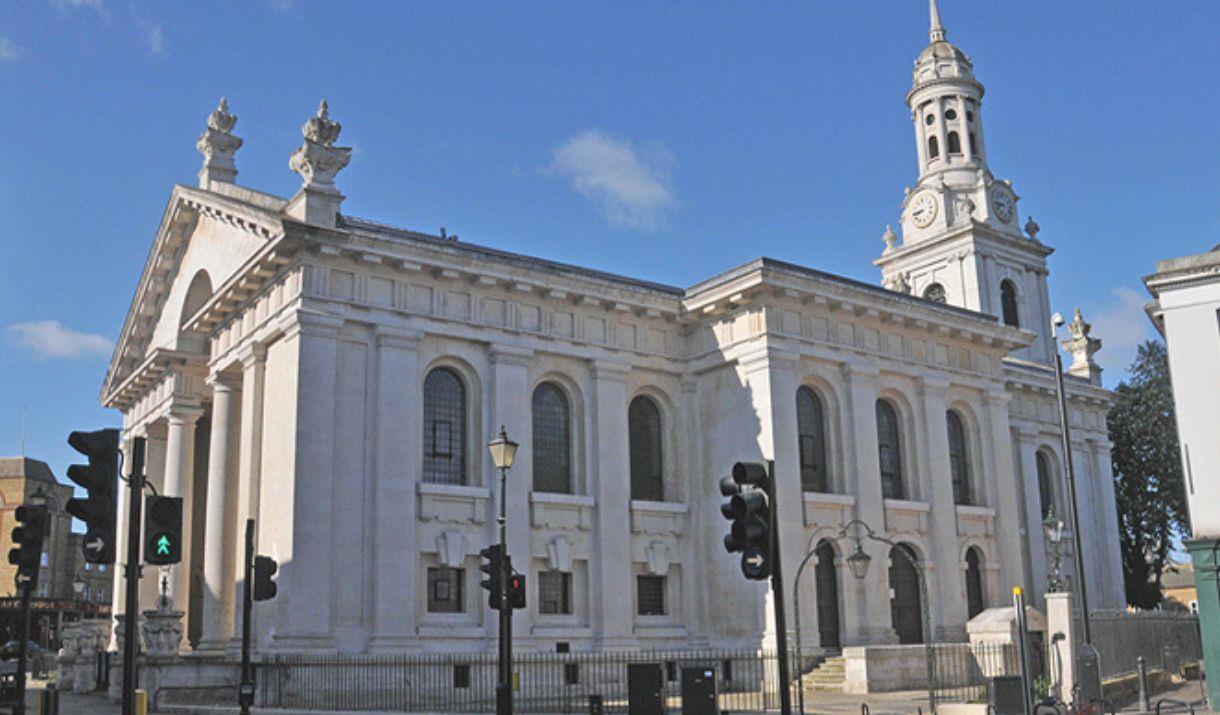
point(962, 242)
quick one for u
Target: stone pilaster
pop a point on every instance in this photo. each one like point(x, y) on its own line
point(1025, 442)
point(612, 589)
point(946, 586)
point(397, 464)
point(510, 408)
point(253, 358)
point(866, 602)
point(999, 462)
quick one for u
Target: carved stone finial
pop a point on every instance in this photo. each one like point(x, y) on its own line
point(318, 160)
point(891, 240)
point(1083, 347)
point(219, 147)
point(1032, 228)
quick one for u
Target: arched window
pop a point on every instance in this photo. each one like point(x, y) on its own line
point(955, 143)
point(811, 435)
point(933, 148)
point(970, 137)
point(444, 427)
point(935, 292)
point(890, 451)
point(644, 443)
point(552, 435)
point(1046, 486)
point(959, 460)
point(1008, 303)
point(906, 613)
point(976, 599)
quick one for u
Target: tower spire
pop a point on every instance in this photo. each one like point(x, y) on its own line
point(937, 33)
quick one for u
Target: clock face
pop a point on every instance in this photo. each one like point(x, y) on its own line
point(1003, 205)
point(923, 210)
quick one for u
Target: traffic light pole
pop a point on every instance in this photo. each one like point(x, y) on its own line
point(504, 688)
point(22, 647)
point(131, 605)
point(245, 690)
point(777, 593)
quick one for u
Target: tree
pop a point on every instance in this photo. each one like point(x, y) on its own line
point(1148, 482)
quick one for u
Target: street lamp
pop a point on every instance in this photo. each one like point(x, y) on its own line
point(78, 588)
point(503, 454)
point(858, 564)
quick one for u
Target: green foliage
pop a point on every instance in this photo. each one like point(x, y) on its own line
point(1147, 473)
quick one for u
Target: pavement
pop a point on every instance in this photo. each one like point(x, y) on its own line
point(71, 703)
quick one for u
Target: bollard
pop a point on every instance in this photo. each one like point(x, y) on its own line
point(48, 701)
point(141, 702)
point(1141, 667)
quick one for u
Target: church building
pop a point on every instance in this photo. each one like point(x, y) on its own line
point(338, 379)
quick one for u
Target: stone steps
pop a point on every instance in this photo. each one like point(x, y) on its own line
point(829, 675)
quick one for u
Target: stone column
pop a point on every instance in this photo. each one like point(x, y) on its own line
point(866, 602)
point(397, 463)
point(998, 459)
point(179, 468)
point(611, 485)
point(946, 584)
point(253, 359)
point(218, 592)
point(510, 408)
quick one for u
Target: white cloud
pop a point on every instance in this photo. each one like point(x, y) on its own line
point(1122, 325)
point(153, 38)
point(50, 339)
point(629, 187)
point(8, 51)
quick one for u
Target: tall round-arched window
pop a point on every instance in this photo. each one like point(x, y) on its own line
point(959, 460)
point(811, 436)
point(976, 598)
point(1008, 303)
point(644, 443)
point(955, 143)
point(197, 293)
point(1046, 486)
point(889, 451)
point(552, 439)
point(444, 427)
point(935, 292)
point(933, 148)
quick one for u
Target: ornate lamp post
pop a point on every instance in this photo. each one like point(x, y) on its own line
point(503, 453)
point(78, 588)
point(1052, 529)
point(858, 564)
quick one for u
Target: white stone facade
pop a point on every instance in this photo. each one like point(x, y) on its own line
point(276, 354)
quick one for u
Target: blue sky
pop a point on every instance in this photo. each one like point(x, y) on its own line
point(667, 141)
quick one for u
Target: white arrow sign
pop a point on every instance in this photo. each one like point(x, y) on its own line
point(95, 545)
point(755, 559)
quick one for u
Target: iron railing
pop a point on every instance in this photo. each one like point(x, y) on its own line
point(1165, 639)
point(544, 683)
point(963, 669)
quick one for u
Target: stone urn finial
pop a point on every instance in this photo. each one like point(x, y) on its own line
point(1032, 228)
point(891, 240)
point(219, 147)
point(1083, 347)
point(318, 161)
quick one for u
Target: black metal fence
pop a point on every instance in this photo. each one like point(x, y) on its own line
point(544, 683)
point(963, 670)
point(1166, 640)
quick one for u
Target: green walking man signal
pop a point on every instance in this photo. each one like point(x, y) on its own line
point(162, 530)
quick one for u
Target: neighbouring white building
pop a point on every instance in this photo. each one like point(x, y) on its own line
point(1186, 311)
point(337, 379)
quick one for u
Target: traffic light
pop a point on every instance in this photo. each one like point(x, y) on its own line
point(264, 568)
point(26, 553)
point(163, 530)
point(750, 510)
point(493, 563)
point(516, 590)
point(99, 478)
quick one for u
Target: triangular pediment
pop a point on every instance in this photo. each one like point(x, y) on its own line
point(202, 233)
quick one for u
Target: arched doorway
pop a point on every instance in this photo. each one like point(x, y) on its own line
point(905, 610)
point(827, 579)
point(976, 601)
